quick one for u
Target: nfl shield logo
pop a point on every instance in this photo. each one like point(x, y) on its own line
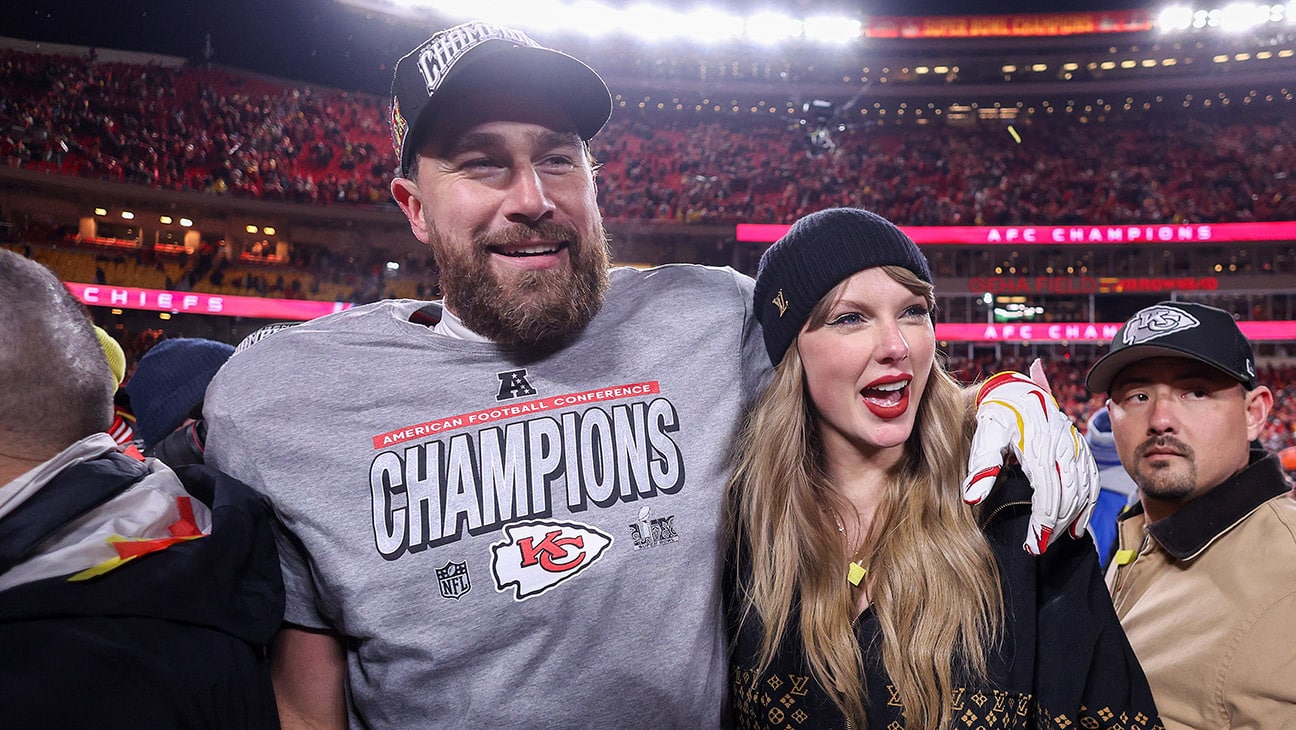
point(453, 579)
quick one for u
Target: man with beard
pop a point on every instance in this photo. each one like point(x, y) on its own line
point(503, 509)
point(1204, 579)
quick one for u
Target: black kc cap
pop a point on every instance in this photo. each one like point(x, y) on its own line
point(455, 61)
point(1177, 329)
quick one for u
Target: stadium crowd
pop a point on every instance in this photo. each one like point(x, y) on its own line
point(229, 133)
point(1123, 170)
point(192, 129)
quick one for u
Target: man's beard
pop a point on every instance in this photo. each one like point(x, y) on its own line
point(1172, 483)
point(531, 309)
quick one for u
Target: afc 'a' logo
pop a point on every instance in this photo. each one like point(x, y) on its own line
point(454, 580)
point(513, 384)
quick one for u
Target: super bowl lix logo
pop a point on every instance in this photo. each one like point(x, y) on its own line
point(538, 555)
point(650, 532)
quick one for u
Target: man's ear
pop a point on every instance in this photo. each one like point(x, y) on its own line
point(409, 198)
point(1258, 404)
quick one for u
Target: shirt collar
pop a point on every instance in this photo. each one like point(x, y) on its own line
point(1190, 530)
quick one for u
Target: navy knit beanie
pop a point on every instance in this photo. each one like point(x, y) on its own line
point(169, 381)
point(815, 255)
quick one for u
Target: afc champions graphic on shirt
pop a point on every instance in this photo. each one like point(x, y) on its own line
point(525, 470)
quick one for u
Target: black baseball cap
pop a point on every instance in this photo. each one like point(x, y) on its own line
point(1177, 329)
point(477, 55)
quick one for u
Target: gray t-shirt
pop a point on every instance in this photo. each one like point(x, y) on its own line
point(507, 542)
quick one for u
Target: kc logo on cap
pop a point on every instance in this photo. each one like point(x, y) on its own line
point(1157, 321)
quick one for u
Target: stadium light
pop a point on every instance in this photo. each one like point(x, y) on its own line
point(596, 19)
point(709, 25)
point(1176, 17)
point(651, 20)
point(651, 23)
point(543, 15)
point(1237, 17)
point(532, 14)
point(1234, 17)
point(831, 29)
point(770, 28)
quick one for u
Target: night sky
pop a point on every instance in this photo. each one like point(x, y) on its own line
point(326, 42)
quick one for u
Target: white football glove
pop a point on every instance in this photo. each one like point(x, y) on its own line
point(1018, 415)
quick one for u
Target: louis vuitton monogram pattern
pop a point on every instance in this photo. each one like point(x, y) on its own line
point(783, 701)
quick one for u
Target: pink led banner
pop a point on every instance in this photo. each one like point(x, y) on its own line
point(1089, 332)
point(225, 305)
point(1053, 235)
point(1022, 25)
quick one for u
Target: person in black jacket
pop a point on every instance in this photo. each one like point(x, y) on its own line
point(863, 592)
point(131, 595)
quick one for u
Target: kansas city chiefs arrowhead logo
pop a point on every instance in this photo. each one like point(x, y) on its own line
point(1157, 321)
point(538, 555)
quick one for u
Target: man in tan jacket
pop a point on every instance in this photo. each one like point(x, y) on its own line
point(1204, 578)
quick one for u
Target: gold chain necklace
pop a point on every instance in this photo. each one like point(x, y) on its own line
point(855, 571)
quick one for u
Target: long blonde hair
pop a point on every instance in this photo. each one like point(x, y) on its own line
point(934, 583)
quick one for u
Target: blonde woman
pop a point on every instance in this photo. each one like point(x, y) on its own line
point(864, 592)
